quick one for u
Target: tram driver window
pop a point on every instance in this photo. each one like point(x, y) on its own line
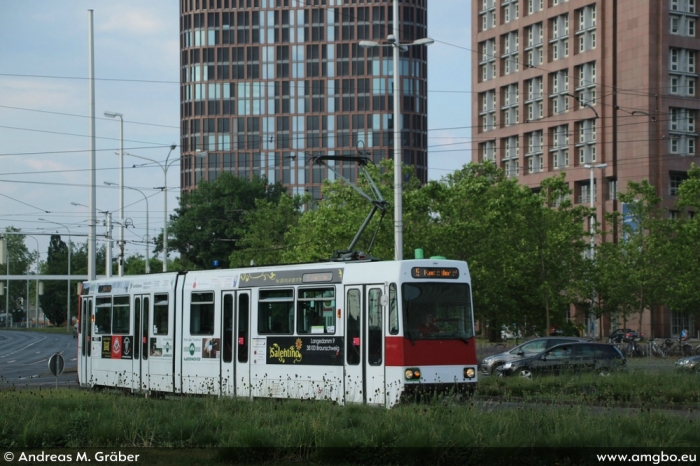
point(316, 310)
point(103, 316)
point(202, 314)
point(276, 311)
point(160, 314)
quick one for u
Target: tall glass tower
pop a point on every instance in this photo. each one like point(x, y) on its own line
point(266, 85)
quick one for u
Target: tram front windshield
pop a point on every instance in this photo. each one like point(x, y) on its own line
point(437, 311)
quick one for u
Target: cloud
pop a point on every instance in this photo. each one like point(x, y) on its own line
point(139, 21)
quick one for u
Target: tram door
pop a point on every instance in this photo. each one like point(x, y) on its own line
point(374, 345)
point(364, 363)
point(354, 381)
point(142, 311)
point(235, 322)
point(85, 339)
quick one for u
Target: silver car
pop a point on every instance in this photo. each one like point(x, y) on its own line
point(527, 349)
point(690, 363)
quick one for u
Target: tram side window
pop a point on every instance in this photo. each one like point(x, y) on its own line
point(276, 311)
point(393, 311)
point(316, 310)
point(103, 316)
point(160, 314)
point(374, 321)
point(202, 314)
point(121, 315)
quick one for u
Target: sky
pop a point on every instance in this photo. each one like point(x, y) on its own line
point(44, 109)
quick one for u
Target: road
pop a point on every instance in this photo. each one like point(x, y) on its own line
point(24, 357)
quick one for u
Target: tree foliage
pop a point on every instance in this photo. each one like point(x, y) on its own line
point(683, 253)
point(54, 300)
point(20, 261)
point(333, 223)
point(207, 224)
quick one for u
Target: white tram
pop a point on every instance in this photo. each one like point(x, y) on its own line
point(350, 332)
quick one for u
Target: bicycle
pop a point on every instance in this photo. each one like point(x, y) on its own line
point(657, 350)
point(680, 348)
point(634, 349)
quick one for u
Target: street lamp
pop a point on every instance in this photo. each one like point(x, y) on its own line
point(108, 237)
point(393, 41)
point(121, 189)
point(69, 253)
point(164, 167)
point(592, 227)
point(148, 253)
point(37, 284)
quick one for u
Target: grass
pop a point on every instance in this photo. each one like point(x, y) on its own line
point(637, 386)
point(67, 418)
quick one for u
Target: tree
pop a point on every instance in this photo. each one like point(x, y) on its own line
point(682, 293)
point(207, 224)
point(263, 230)
point(644, 245)
point(20, 260)
point(54, 300)
point(478, 215)
point(556, 237)
point(336, 219)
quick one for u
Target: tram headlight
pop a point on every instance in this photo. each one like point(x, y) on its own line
point(412, 373)
point(469, 372)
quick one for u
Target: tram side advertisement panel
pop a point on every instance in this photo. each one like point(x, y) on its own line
point(313, 351)
point(117, 347)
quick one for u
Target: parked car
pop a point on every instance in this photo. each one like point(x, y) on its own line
point(529, 348)
point(690, 363)
point(622, 334)
point(567, 357)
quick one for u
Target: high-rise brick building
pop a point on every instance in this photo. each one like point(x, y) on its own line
point(268, 84)
point(567, 83)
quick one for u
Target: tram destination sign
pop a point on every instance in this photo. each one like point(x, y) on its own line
point(435, 272)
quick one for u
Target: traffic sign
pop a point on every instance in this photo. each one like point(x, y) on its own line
point(56, 364)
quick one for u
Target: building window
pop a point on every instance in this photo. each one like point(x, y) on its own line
point(682, 135)
point(510, 155)
point(586, 140)
point(586, 84)
point(535, 151)
point(559, 42)
point(533, 6)
point(682, 17)
point(488, 14)
point(510, 10)
point(559, 86)
point(511, 100)
point(488, 151)
point(488, 110)
point(586, 30)
point(682, 72)
point(559, 147)
point(534, 98)
point(533, 49)
point(488, 59)
point(509, 56)
point(675, 181)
